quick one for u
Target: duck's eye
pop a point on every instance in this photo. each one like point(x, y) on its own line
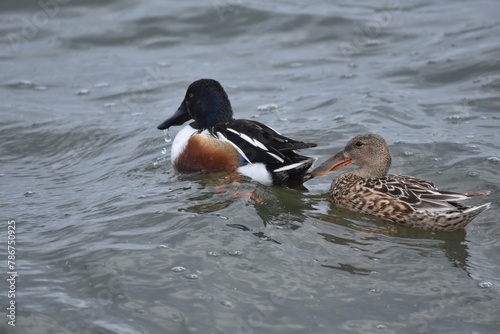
point(190, 95)
point(359, 144)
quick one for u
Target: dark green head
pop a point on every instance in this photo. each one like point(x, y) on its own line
point(205, 102)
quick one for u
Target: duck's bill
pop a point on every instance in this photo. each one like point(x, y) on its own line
point(180, 117)
point(338, 161)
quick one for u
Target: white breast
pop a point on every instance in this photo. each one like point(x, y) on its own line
point(180, 141)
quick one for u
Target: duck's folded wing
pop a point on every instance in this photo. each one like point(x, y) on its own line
point(420, 194)
point(257, 142)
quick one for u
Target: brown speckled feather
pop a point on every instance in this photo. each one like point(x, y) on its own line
point(401, 199)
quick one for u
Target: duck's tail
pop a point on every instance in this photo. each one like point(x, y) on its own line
point(293, 175)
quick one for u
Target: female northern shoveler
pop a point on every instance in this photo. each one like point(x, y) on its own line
point(401, 199)
point(217, 142)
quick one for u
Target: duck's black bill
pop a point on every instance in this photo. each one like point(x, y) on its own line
point(180, 117)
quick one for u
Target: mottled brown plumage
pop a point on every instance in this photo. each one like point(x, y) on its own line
point(401, 199)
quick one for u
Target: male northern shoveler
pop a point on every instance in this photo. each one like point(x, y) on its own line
point(401, 199)
point(217, 142)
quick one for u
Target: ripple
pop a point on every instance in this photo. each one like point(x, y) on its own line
point(179, 269)
point(267, 107)
point(213, 253)
point(485, 284)
point(22, 84)
point(83, 92)
point(192, 276)
point(374, 291)
point(235, 253)
point(227, 303)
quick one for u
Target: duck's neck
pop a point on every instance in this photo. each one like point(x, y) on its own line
point(374, 170)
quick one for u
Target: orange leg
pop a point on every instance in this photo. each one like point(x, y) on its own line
point(228, 180)
point(249, 196)
point(232, 181)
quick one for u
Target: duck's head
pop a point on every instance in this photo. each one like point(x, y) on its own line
point(205, 102)
point(368, 151)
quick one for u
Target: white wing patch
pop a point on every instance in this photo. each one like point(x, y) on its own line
point(276, 157)
point(221, 137)
point(250, 140)
point(255, 143)
point(291, 166)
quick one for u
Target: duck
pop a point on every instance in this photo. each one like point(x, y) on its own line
point(214, 141)
point(401, 199)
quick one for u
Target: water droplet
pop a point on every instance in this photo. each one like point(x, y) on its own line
point(227, 303)
point(163, 246)
point(191, 276)
point(235, 253)
point(213, 253)
point(109, 105)
point(168, 139)
point(408, 153)
point(101, 85)
point(493, 160)
point(178, 269)
point(267, 107)
point(473, 174)
point(380, 326)
point(485, 284)
point(374, 291)
point(164, 150)
point(83, 92)
point(29, 193)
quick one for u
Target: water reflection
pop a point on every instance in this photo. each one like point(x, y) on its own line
point(368, 229)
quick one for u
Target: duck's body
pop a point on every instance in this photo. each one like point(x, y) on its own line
point(217, 142)
point(402, 199)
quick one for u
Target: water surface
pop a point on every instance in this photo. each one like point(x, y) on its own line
point(111, 240)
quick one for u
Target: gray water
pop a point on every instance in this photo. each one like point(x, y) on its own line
point(109, 239)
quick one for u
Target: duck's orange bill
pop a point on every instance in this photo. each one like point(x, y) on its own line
point(338, 161)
